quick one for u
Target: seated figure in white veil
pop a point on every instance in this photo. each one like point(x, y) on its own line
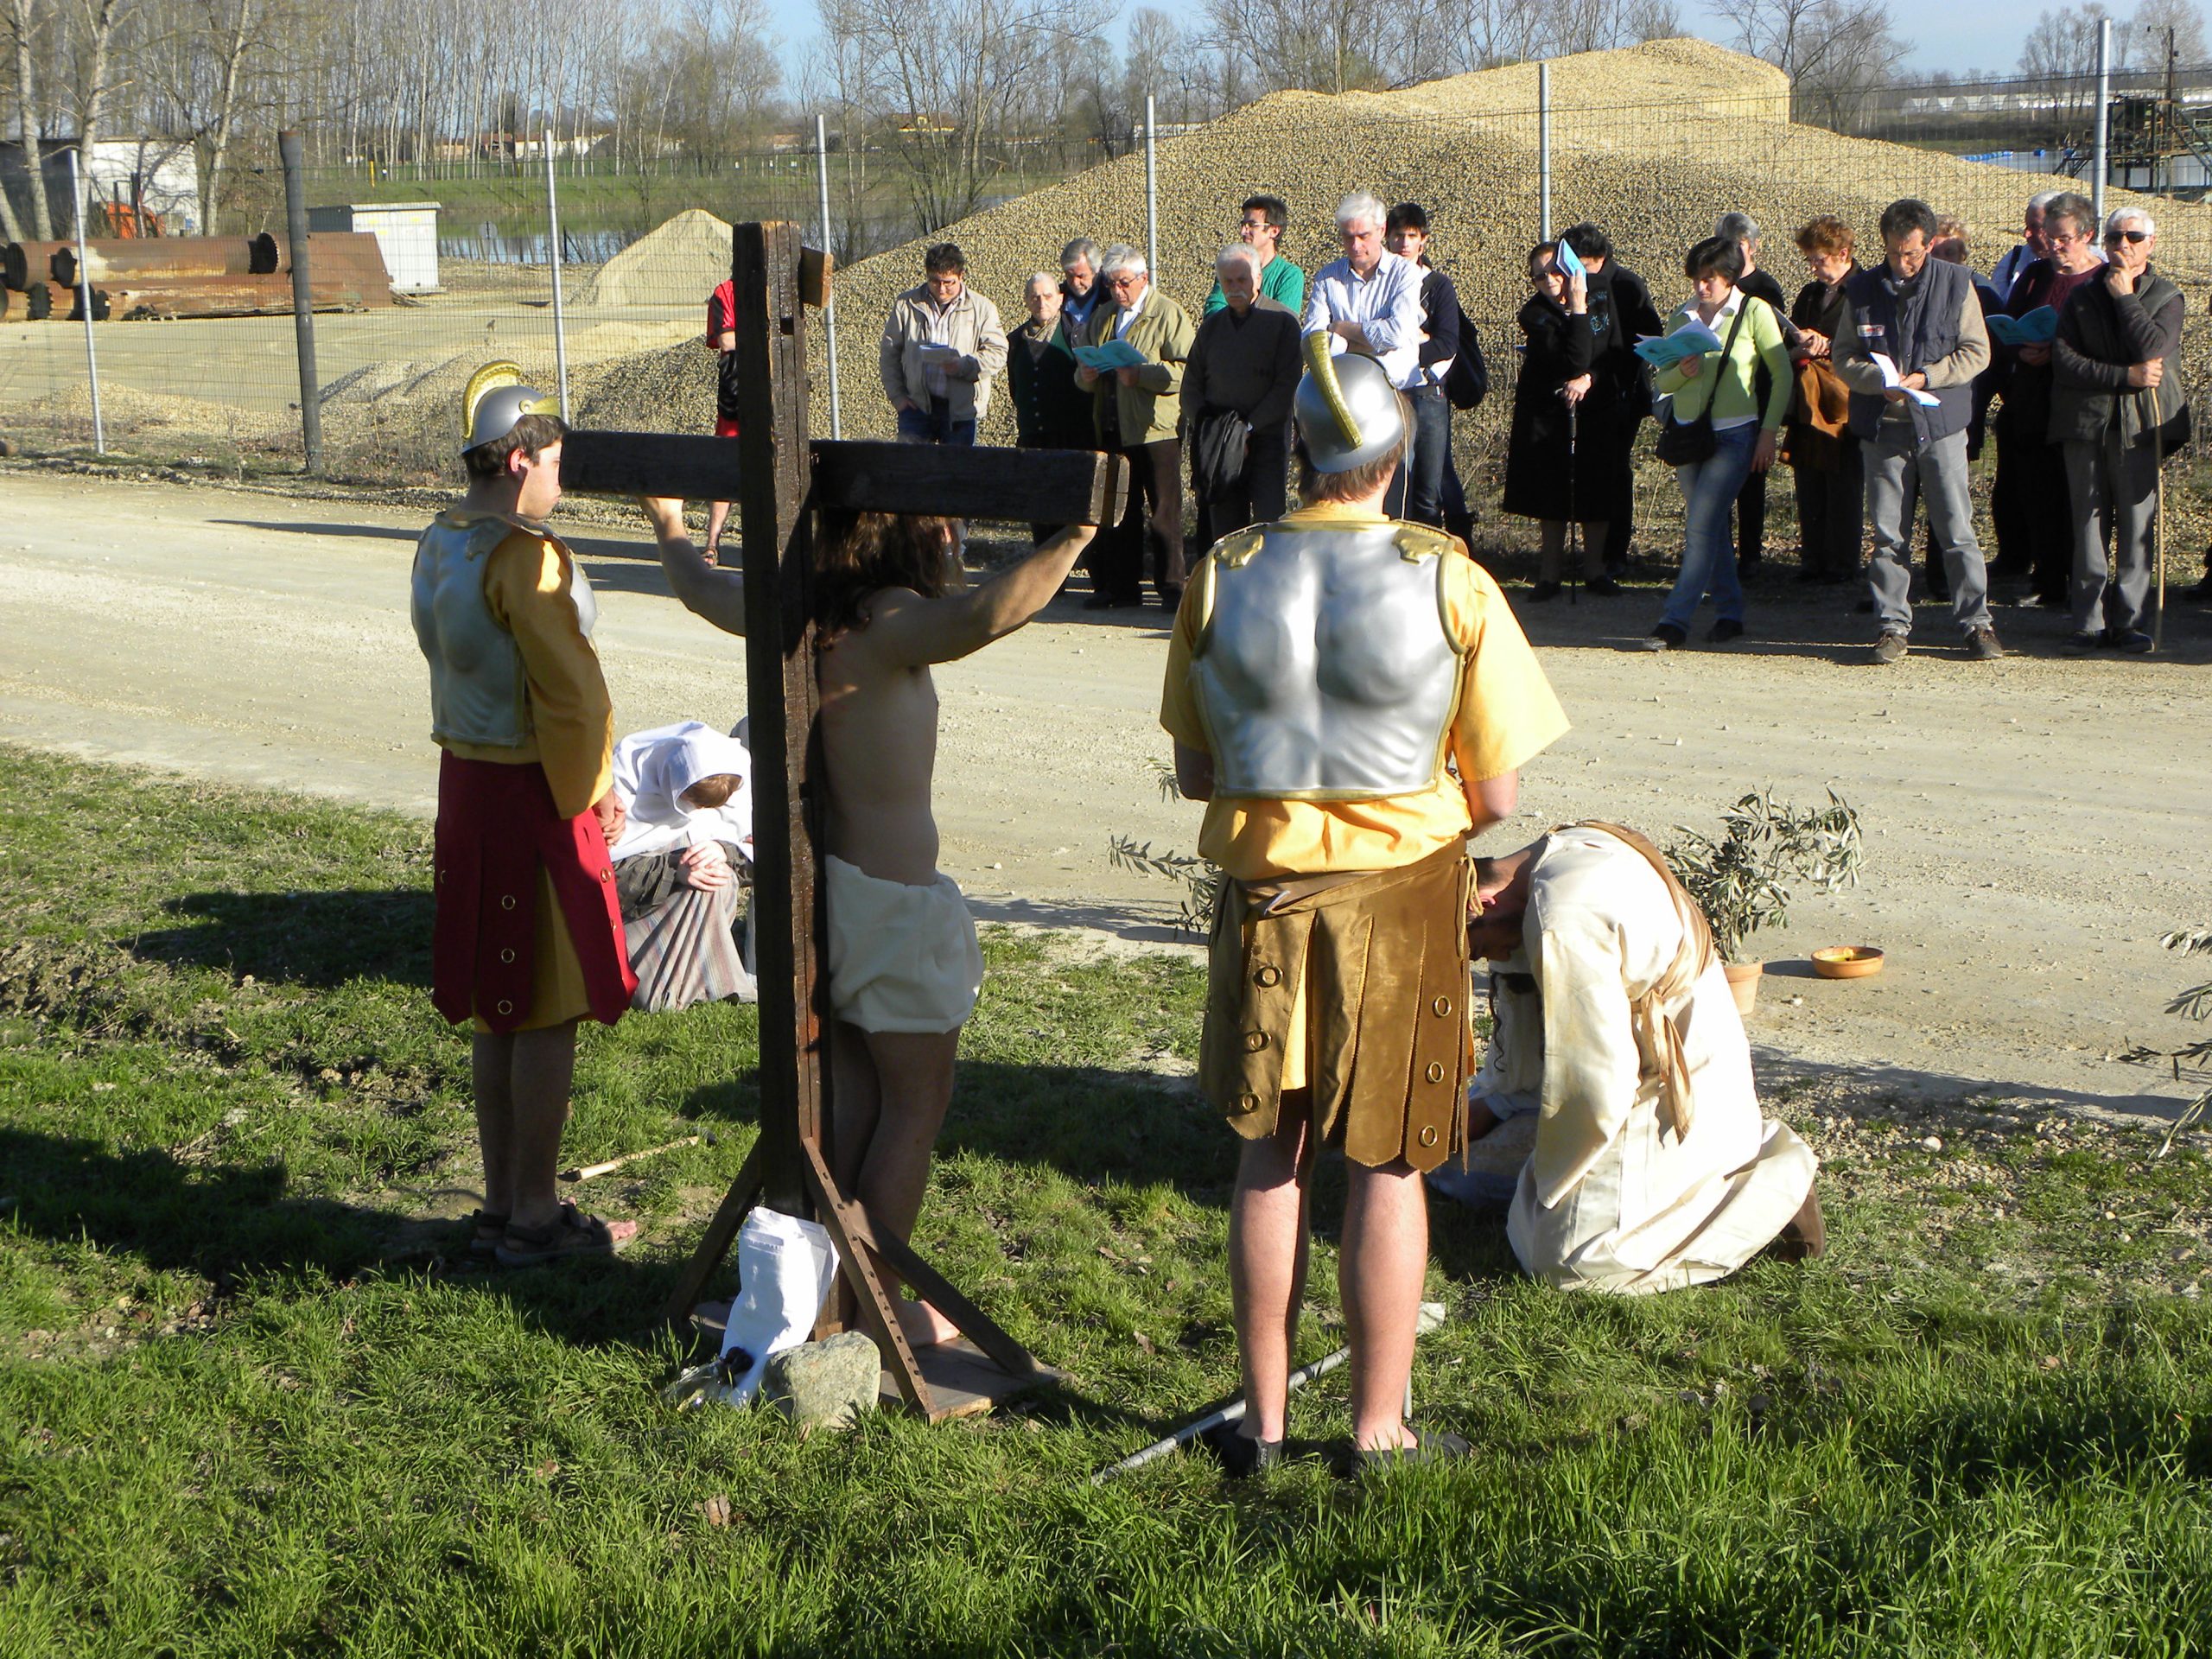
point(684, 863)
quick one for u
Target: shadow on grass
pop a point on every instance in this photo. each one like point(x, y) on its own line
point(234, 1224)
point(317, 939)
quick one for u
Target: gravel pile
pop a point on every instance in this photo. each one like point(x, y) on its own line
point(678, 264)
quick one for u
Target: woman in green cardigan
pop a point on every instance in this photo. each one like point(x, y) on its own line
point(1743, 433)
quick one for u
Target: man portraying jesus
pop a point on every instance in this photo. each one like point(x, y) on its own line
point(904, 968)
point(1652, 1167)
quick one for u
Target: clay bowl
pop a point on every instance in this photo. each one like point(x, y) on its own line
point(1847, 962)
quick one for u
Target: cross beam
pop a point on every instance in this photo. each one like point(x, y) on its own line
point(782, 484)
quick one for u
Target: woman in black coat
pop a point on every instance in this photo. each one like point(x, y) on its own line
point(1557, 459)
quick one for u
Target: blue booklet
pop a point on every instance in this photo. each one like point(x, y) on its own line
point(1692, 338)
point(2038, 328)
point(1113, 354)
point(1567, 260)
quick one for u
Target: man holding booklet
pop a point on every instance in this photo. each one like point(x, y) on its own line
point(1131, 361)
point(1910, 342)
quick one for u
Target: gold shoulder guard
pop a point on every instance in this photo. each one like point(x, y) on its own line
point(1236, 549)
point(1419, 542)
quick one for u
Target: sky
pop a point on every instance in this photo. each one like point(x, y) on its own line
point(1959, 35)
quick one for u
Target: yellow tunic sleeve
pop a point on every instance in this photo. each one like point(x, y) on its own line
point(526, 585)
point(1508, 713)
point(1178, 704)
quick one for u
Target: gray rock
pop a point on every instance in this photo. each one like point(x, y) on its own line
point(825, 1384)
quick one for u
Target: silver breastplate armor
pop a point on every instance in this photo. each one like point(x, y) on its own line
point(478, 693)
point(1324, 672)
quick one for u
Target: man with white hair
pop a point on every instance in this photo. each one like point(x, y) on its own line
point(1369, 301)
point(1134, 409)
point(1236, 392)
point(2111, 397)
point(1079, 289)
point(2030, 248)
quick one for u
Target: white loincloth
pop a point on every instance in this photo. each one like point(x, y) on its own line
point(901, 958)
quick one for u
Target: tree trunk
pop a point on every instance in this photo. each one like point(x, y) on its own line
point(100, 19)
point(225, 117)
point(19, 26)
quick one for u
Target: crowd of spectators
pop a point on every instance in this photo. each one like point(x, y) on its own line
point(1874, 385)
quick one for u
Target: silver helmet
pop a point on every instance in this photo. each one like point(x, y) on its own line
point(495, 399)
point(1348, 411)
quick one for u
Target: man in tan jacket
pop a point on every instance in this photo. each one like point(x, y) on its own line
point(1136, 408)
point(942, 346)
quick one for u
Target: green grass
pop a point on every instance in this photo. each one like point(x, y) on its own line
point(248, 1405)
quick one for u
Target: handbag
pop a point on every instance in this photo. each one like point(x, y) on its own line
point(1685, 444)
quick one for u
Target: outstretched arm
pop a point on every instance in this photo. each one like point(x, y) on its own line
point(906, 631)
point(705, 590)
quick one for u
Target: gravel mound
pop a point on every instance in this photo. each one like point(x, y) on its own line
point(1466, 147)
point(678, 263)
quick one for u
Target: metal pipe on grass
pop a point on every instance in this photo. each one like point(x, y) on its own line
point(553, 252)
point(1232, 1411)
point(296, 237)
point(84, 304)
point(828, 311)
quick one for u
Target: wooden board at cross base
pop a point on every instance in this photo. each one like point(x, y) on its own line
point(784, 485)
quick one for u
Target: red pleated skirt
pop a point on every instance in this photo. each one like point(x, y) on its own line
point(497, 830)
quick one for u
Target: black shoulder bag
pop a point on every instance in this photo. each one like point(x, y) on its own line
point(1684, 443)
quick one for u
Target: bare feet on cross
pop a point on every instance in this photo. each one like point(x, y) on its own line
point(924, 1326)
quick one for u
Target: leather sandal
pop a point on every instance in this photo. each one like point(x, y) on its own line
point(1429, 1446)
point(1240, 1455)
point(486, 1229)
point(572, 1234)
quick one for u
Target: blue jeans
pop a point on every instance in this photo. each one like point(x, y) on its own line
point(1431, 455)
point(1709, 490)
point(935, 425)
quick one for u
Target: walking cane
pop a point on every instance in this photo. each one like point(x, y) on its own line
point(1573, 517)
point(2159, 544)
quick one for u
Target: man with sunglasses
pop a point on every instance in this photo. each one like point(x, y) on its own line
point(2112, 397)
point(1909, 344)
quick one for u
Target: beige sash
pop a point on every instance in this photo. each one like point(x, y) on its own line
point(1657, 1030)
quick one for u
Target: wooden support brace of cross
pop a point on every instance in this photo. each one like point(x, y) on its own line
point(784, 486)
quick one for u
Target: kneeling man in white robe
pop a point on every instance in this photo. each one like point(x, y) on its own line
point(1615, 1032)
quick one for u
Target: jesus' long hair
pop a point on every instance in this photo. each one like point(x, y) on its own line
point(875, 550)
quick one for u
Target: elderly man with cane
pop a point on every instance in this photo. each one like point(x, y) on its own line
point(1323, 670)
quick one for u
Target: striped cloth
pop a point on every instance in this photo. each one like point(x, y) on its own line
point(683, 942)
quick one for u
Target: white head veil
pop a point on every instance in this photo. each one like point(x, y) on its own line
point(651, 770)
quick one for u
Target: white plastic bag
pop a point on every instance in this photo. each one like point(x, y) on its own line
point(784, 1267)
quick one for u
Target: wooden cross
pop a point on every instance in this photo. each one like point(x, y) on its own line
point(784, 484)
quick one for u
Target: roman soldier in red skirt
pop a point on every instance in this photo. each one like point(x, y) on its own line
point(528, 936)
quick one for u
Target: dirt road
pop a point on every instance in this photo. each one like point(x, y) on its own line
point(2034, 825)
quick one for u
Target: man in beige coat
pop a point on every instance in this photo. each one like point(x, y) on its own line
point(943, 345)
point(1136, 408)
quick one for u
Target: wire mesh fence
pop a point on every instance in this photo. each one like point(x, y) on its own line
point(1653, 165)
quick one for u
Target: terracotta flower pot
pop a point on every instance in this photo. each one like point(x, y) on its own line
point(1744, 983)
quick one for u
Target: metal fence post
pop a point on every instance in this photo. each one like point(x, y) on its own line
point(2102, 162)
point(85, 303)
point(1544, 152)
point(553, 251)
point(1151, 189)
point(295, 235)
point(829, 243)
